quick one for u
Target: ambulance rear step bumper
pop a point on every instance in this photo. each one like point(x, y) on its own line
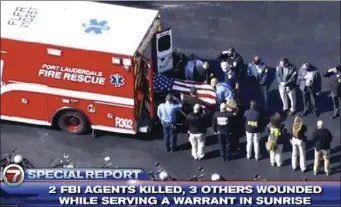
point(145, 129)
point(145, 125)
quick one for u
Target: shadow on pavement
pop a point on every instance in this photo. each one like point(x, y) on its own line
point(185, 146)
point(211, 140)
point(212, 154)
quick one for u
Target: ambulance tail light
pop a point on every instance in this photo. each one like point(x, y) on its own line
point(54, 52)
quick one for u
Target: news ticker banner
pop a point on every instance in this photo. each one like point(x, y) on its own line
point(132, 187)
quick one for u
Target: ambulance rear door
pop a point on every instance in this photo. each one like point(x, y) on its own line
point(164, 51)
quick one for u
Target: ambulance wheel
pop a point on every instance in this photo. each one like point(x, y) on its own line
point(73, 122)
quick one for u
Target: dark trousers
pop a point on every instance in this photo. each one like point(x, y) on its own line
point(234, 142)
point(309, 100)
point(225, 145)
point(336, 103)
point(264, 96)
point(169, 136)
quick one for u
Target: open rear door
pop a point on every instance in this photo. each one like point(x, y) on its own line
point(164, 51)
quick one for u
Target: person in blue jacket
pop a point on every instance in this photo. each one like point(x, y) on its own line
point(223, 90)
point(192, 66)
point(258, 72)
point(167, 115)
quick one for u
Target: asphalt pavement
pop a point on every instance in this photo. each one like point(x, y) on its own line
point(301, 31)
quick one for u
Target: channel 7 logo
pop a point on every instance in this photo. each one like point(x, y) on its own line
point(12, 175)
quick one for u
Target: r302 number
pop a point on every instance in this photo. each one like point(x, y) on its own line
point(123, 123)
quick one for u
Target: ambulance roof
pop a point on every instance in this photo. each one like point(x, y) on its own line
point(77, 24)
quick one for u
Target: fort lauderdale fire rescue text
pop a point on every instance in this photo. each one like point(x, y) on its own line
point(71, 74)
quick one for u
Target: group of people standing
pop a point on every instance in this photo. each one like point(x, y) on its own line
point(308, 79)
point(227, 117)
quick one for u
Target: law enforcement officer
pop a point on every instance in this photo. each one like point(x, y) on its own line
point(310, 84)
point(167, 115)
point(252, 126)
point(334, 75)
point(258, 72)
point(230, 76)
point(234, 60)
point(277, 136)
point(286, 76)
point(223, 91)
point(221, 125)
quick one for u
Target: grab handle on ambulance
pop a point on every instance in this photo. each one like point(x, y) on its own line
point(54, 52)
point(69, 101)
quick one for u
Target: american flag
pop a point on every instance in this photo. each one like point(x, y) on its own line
point(165, 84)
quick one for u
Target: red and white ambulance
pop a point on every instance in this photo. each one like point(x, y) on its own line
point(80, 65)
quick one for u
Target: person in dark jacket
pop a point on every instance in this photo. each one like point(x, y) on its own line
point(252, 126)
point(234, 60)
point(334, 75)
point(277, 130)
point(258, 71)
point(310, 84)
point(221, 125)
point(286, 76)
point(188, 102)
point(179, 63)
point(322, 138)
point(298, 140)
point(196, 125)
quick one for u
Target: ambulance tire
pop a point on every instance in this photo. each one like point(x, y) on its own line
point(73, 122)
